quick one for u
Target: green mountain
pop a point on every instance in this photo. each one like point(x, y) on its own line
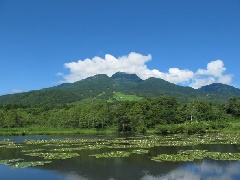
point(221, 89)
point(120, 86)
point(124, 77)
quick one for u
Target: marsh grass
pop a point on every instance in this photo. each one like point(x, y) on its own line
point(39, 130)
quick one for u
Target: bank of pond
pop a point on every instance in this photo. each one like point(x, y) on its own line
point(189, 127)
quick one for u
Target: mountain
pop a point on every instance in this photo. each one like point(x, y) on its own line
point(221, 89)
point(124, 77)
point(102, 87)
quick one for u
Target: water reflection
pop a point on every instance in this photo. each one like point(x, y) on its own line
point(120, 169)
point(208, 169)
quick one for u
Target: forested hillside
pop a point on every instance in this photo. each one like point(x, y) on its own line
point(101, 87)
point(221, 89)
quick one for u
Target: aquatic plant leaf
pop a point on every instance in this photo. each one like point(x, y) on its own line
point(140, 151)
point(113, 154)
point(190, 155)
point(54, 155)
point(32, 150)
point(10, 161)
point(29, 164)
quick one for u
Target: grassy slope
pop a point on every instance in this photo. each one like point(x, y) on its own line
point(124, 97)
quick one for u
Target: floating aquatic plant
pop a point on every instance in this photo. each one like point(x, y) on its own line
point(6, 141)
point(122, 147)
point(29, 164)
point(140, 151)
point(62, 141)
point(112, 154)
point(115, 154)
point(32, 150)
point(223, 156)
point(9, 144)
point(190, 155)
point(54, 155)
point(10, 161)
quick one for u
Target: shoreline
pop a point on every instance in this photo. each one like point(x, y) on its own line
point(28, 131)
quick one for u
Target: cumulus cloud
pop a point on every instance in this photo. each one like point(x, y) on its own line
point(213, 74)
point(136, 63)
point(214, 68)
point(133, 63)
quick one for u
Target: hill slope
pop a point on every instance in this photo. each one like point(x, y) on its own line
point(102, 87)
point(220, 89)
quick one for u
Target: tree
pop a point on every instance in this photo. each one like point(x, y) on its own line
point(137, 118)
point(233, 106)
point(165, 110)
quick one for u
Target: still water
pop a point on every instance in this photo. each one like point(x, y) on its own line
point(135, 166)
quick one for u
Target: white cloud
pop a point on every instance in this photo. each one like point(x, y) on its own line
point(198, 82)
point(213, 74)
point(133, 63)
point(136, 63)
point(225, 79)
point(16, 91)
point(214, 68)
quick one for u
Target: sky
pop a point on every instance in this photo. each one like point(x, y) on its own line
point(49, 42)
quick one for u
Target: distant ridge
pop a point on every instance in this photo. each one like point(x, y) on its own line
point(221, 89)
point(103, 88)
point(125, 76)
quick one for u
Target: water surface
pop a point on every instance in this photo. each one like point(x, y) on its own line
point(136, 166)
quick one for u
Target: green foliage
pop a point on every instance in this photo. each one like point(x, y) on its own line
point(164, 114)
point(221, 89)
point(233, 106)
point(191, 127)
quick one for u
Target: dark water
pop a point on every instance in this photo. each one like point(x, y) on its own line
point(126, 168)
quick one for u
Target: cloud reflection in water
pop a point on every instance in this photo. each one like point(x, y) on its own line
point(216, 170)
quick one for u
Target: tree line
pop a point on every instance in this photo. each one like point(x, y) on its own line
point(162, 113)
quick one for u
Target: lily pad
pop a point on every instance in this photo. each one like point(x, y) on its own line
point(29, 164)
point(10, 161)
point(32, 150)
point(140, 151)
point(54, 155)
point(190, 155)
point(113, 154)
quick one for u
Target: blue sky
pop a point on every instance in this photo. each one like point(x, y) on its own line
point(191, 43)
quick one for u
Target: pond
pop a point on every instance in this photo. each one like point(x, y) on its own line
point(210, 156)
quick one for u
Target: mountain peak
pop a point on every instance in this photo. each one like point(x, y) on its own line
point(126, 76)
point(220, 88)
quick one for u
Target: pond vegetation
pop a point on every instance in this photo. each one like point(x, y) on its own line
point(53, 149)
point(191, 155)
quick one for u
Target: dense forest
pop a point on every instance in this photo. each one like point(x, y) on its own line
point(163, 114)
